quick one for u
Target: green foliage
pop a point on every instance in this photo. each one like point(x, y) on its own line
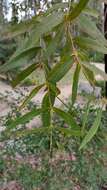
point(75, 83)
point(93, 130)
point(28, 162)
point(51, 35)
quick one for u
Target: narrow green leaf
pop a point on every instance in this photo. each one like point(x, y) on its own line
point(20, 59)
point(60, 69)
point(75, 83)
point(93, 130)
point(91, 12)
point(25, 73)
point(88, 26)
point(88, 74)
point(69, 132)
point(54, 43)
point(54, 92)
point(91, 44)
point(67, 117)
point(46, 111)
point(77, 9)
point(95, 69)
point(57, 7)
point(23, 119)
point(46, 25)
point(85, 117)
point(31, 95)
point(22, 133)
point(22, 27)
point(54, 89)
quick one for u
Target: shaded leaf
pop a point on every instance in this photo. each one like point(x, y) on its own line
point(20, 59)
point(95, 69)
point(77, 9)
point(60, 69)
point(46, 25)
point(75, 83)
point(85, 116)
point(54, 92)
point(25, 73)
point(89, 27)
point(31, 95)
point(93, 130)
point(22, 133)
point(89, 43)
point(69, 132)
point(88, 74)
point(23, 119)
point(91, 12)
point(67, 117)
point(46, 111)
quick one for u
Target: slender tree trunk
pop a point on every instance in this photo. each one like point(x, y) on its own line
point(105, 33)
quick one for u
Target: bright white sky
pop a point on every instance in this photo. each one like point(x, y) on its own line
point(10, 12)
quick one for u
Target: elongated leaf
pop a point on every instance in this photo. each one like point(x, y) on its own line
point(29, 47)
point(20, 59)
point(95, 69)
point(91, 44)
point(75, 83)
point(89, 27)
point(46, 111)
point(22, 133)
point(60, 69)
point(77, 9)
point(46, 25)
point(25, 73)
point(85, 117)
point(26, 26)
point(69, 132)
point(53, 91)
point(57, 7)
point(91, 12)
point(54, 43)
point(67, 118)
point(23, 119)
point(31, 95)
point(91, 133)
point(22, 27)
point(89, 75)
